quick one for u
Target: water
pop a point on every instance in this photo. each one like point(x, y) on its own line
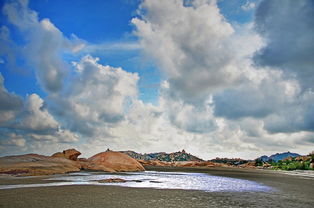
point(157, 180)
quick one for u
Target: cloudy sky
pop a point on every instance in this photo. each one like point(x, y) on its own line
point(227, 78)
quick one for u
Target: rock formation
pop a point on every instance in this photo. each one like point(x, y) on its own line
point(111, 161)
point(71, 154)
point(67, 161)
point(180, 163)
point(34, 164)
point(112, 180)
point(162, 156)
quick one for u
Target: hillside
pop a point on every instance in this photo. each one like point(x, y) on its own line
point(278, 156)
point(162, 156)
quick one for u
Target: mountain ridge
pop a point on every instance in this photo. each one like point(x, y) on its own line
point(278, 156)
point(163, 156)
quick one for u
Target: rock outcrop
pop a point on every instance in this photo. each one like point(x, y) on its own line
point(112, 180)
point(34, 164)
point(162, 156)
point(71, 154)
point(67, 161)
point(180, 163)
point(111, 161)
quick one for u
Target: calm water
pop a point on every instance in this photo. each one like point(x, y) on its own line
point(158, 180)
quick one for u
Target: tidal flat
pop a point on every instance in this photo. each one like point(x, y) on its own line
point(161, 187)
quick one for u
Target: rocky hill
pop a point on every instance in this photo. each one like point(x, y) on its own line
point(230, 161)
point(162, 156)
point(278, 156)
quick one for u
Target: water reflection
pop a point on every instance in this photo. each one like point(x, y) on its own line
point(158, 180)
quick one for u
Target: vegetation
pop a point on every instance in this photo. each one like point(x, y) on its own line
point(290, 163)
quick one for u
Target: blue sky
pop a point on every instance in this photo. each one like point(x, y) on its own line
point(102, 22)
point(229, 78)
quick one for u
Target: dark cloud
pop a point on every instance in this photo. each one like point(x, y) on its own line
point(8, 101)
point(288, 28)
point(255, 99)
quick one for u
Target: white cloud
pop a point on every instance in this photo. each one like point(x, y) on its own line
point(59, 136)
point(248, 6)
point(111, 46)
point(23, 123)
point(99, 95)
point(16, 140)
point(214, 101)
point(35, 116)
point(44, 44)
point(192, 45)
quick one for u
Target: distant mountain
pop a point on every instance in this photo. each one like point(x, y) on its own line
point(162, 156)
point(278, 156)
point(230, 161)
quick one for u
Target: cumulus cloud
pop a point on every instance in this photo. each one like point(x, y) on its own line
point(13, 140)
point(200, 53)
point(213, 102)
point(36, 117)
point(257, 97)
point(197, 48)
point(288, 28)
point(191, 44)
point(23, 123)
point(10, 104)
point(280, 103)
point(98, 95)
point(196, 117)
point(44, 44)
point(7, 48)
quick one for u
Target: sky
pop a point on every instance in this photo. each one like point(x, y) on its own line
point(224, 78)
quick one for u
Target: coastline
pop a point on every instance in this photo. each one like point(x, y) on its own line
point(292, 191)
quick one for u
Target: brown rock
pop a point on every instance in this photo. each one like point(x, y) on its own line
point(179, 163)
point(34, 164)
point(111, 161)
point(266, 165)
point(112, 180)
point(303, 158)
point(58, 154)
point(155, 163)
point(82, 159)
point(71, 154)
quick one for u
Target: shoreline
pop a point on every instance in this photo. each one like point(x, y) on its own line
point(292, 191)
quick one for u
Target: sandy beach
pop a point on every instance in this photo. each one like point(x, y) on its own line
point(291, 191)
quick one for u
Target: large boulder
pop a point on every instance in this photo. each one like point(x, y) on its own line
point(111, 161)
point(34, 164)
point(70, 154)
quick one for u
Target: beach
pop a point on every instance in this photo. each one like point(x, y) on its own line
point(288, 191)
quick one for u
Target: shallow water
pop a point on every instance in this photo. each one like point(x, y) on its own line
point(158, 180)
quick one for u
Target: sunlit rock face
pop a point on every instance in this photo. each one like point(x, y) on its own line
point(67, 161)
point(71, 154)
point(111, 161)
point(34, 164)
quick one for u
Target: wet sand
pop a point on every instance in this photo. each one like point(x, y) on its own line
point(292, 191)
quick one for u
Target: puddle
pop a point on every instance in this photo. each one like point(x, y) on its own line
point(157, 180)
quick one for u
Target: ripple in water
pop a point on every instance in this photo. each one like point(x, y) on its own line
point(158, 180)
